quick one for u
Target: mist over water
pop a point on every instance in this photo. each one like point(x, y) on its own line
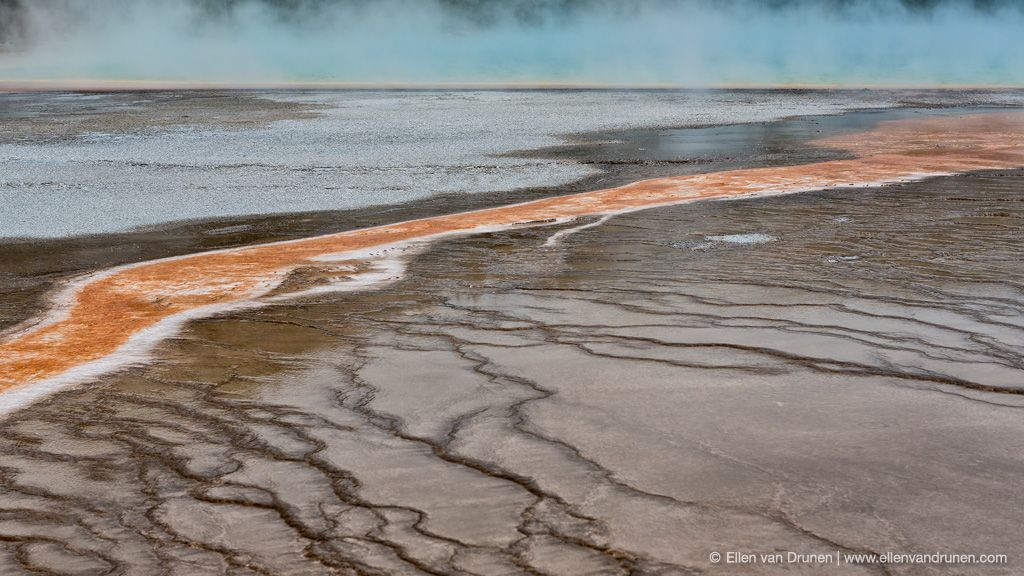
point(521, 41)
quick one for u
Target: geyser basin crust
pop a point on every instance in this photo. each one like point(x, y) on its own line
point(106, 319)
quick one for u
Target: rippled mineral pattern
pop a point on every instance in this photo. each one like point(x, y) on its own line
point(828, 371)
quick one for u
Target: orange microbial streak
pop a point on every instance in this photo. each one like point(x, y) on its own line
point(98, 317)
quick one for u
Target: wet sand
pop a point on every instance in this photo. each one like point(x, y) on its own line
point(827, 371)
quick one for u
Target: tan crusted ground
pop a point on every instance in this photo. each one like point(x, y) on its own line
point(104, 312)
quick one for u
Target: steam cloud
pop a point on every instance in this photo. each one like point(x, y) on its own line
point(625, 42)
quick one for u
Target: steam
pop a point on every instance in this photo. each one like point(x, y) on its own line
point(626, 42)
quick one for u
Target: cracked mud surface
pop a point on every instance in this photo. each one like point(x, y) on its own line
point(832, 370)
